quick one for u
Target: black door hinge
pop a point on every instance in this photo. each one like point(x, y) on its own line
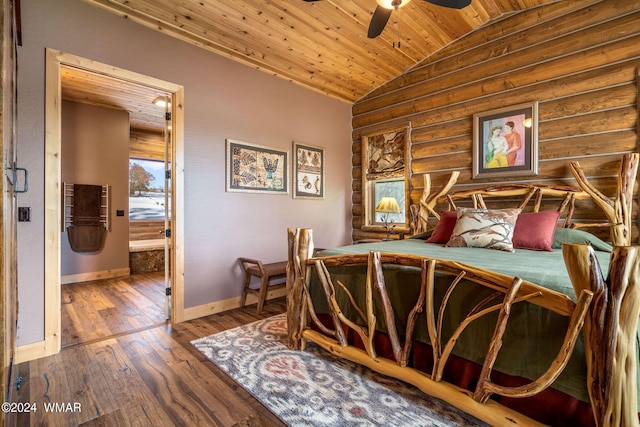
point(167, 291)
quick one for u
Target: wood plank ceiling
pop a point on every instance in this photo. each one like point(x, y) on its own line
point(321, 45)
point(90, 88)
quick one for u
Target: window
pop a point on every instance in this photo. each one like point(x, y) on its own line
point(389, 188)
point(385, 175)
point(146, 189)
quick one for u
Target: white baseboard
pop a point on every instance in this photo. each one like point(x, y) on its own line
point(36, 350)
point(95, 275)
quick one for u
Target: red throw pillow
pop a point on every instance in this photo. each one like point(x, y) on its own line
point(534, 231)
point(444, 228)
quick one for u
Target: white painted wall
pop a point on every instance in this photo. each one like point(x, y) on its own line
point(223, 99)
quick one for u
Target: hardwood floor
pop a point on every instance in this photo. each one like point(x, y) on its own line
point(121, 364)
point(101, 308)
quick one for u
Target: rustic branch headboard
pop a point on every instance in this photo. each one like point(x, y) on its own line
point(617, 211)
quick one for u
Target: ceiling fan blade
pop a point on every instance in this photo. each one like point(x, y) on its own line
point(453, 4)
point(378, 21)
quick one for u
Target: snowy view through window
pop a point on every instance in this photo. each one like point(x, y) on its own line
point(146, 190)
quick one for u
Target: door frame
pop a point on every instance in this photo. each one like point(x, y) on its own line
point(8, 204)
point(55, 60)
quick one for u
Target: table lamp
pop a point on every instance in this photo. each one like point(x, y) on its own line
point(386, 206)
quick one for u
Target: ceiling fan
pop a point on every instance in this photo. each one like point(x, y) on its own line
point(385, 7)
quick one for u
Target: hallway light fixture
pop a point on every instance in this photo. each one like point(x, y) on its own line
point(161, 101)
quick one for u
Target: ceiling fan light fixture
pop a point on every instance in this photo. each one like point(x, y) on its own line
point(392, 4)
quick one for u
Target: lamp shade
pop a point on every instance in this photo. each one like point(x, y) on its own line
point(388, 205)
point(392, 4)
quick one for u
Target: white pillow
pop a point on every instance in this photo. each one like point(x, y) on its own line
point(484, 228)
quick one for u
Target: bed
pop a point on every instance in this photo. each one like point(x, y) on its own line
point(511, 336)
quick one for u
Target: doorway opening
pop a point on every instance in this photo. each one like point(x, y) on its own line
point(113, 83)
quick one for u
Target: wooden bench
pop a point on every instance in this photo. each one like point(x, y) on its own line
point(254, 267)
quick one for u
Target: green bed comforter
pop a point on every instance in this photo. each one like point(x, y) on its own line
point(534, 334)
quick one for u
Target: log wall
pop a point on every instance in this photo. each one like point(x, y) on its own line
point(578, 59)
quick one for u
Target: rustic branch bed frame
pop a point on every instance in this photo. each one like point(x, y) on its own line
point(606, 309)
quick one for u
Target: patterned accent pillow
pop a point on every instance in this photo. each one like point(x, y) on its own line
point(483, 228)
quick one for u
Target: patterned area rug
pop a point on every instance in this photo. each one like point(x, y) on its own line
point(315, 388)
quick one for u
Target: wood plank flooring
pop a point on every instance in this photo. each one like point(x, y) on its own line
point(101, 308)
point(121, 364)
